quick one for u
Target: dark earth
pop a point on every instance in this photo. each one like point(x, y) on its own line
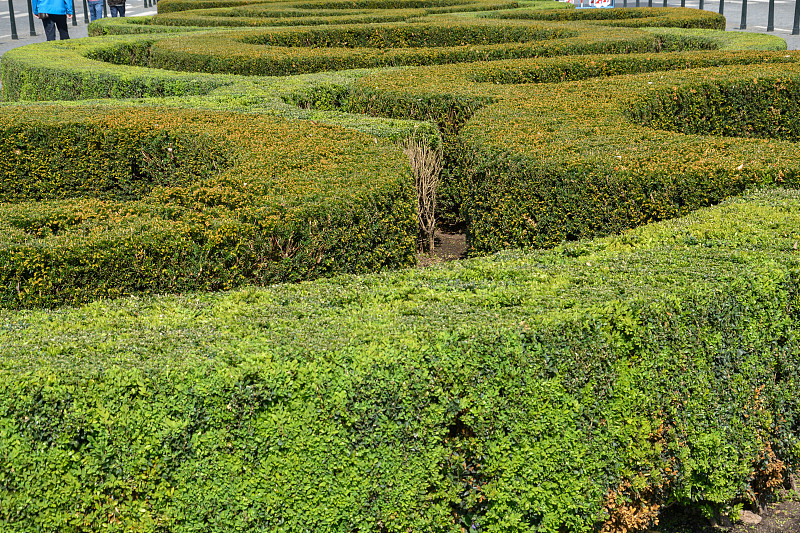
point(447, 247)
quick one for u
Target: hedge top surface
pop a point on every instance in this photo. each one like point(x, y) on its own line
point(510, 290)
point(529, 142)
point(309, 48)
point(290, 174)
point(176, 199)
point(321, 13)
point(295, 50)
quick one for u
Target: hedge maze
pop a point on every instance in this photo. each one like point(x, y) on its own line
point(624, 341)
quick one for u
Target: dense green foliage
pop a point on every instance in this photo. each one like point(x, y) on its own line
point(103, 202)
point(539, 170)
point(578, 389)
point(121, 67)
point(508, 393)
point(626, 17)
point(277, 52)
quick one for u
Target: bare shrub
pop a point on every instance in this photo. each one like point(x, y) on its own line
point(426, 164)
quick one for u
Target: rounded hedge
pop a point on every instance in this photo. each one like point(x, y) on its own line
point(112, 201)
point(211, 251)
point(532, 168)
point(577, 389)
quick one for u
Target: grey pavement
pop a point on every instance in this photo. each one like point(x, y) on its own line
point(757, 19)
point(132, 9)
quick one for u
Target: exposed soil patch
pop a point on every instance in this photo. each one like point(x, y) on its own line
point(781, 517)
point(448, 247)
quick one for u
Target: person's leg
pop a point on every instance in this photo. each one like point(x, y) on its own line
point(61, 24)
point(49, 29)
point(121, 10)
point(113, 10)
point(95, 10)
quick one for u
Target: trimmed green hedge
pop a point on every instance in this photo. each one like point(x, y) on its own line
point(104, 202)
point(578, 389)
point(555, 70)
point(599, 172)
point(170, 6)
point(133, 26)
point(761, 107)
point(42, 72)
point(523, 215)
point(279, 52)
point(319, 13)
point(27, 74)
point(639, 17)
point(535, 169)
point(312, 7)
point(556, 391)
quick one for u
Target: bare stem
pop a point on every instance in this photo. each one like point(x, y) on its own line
point(426, 164)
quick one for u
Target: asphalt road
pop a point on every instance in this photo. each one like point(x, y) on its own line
point(757, 18)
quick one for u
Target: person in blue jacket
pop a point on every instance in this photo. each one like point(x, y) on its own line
point(53, 14)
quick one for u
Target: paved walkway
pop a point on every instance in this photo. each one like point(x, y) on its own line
point(132, 9)
point(758, 17)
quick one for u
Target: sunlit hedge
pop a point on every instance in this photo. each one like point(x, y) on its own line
point(639, 17)
point(277, 52)
point(579, 389)
point(583, 388)
point(53, 270)
point(512, 180)
point(318, 13)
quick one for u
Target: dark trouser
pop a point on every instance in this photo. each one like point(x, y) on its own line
point(117, 10)
point(51, 23)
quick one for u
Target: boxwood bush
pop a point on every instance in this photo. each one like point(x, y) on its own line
point(102, 202)
point(237, 236)
point(576, 389)
point(532, 168)
point(283, 52)
point(320, 13)
point(627, 17)
point(583, 388)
